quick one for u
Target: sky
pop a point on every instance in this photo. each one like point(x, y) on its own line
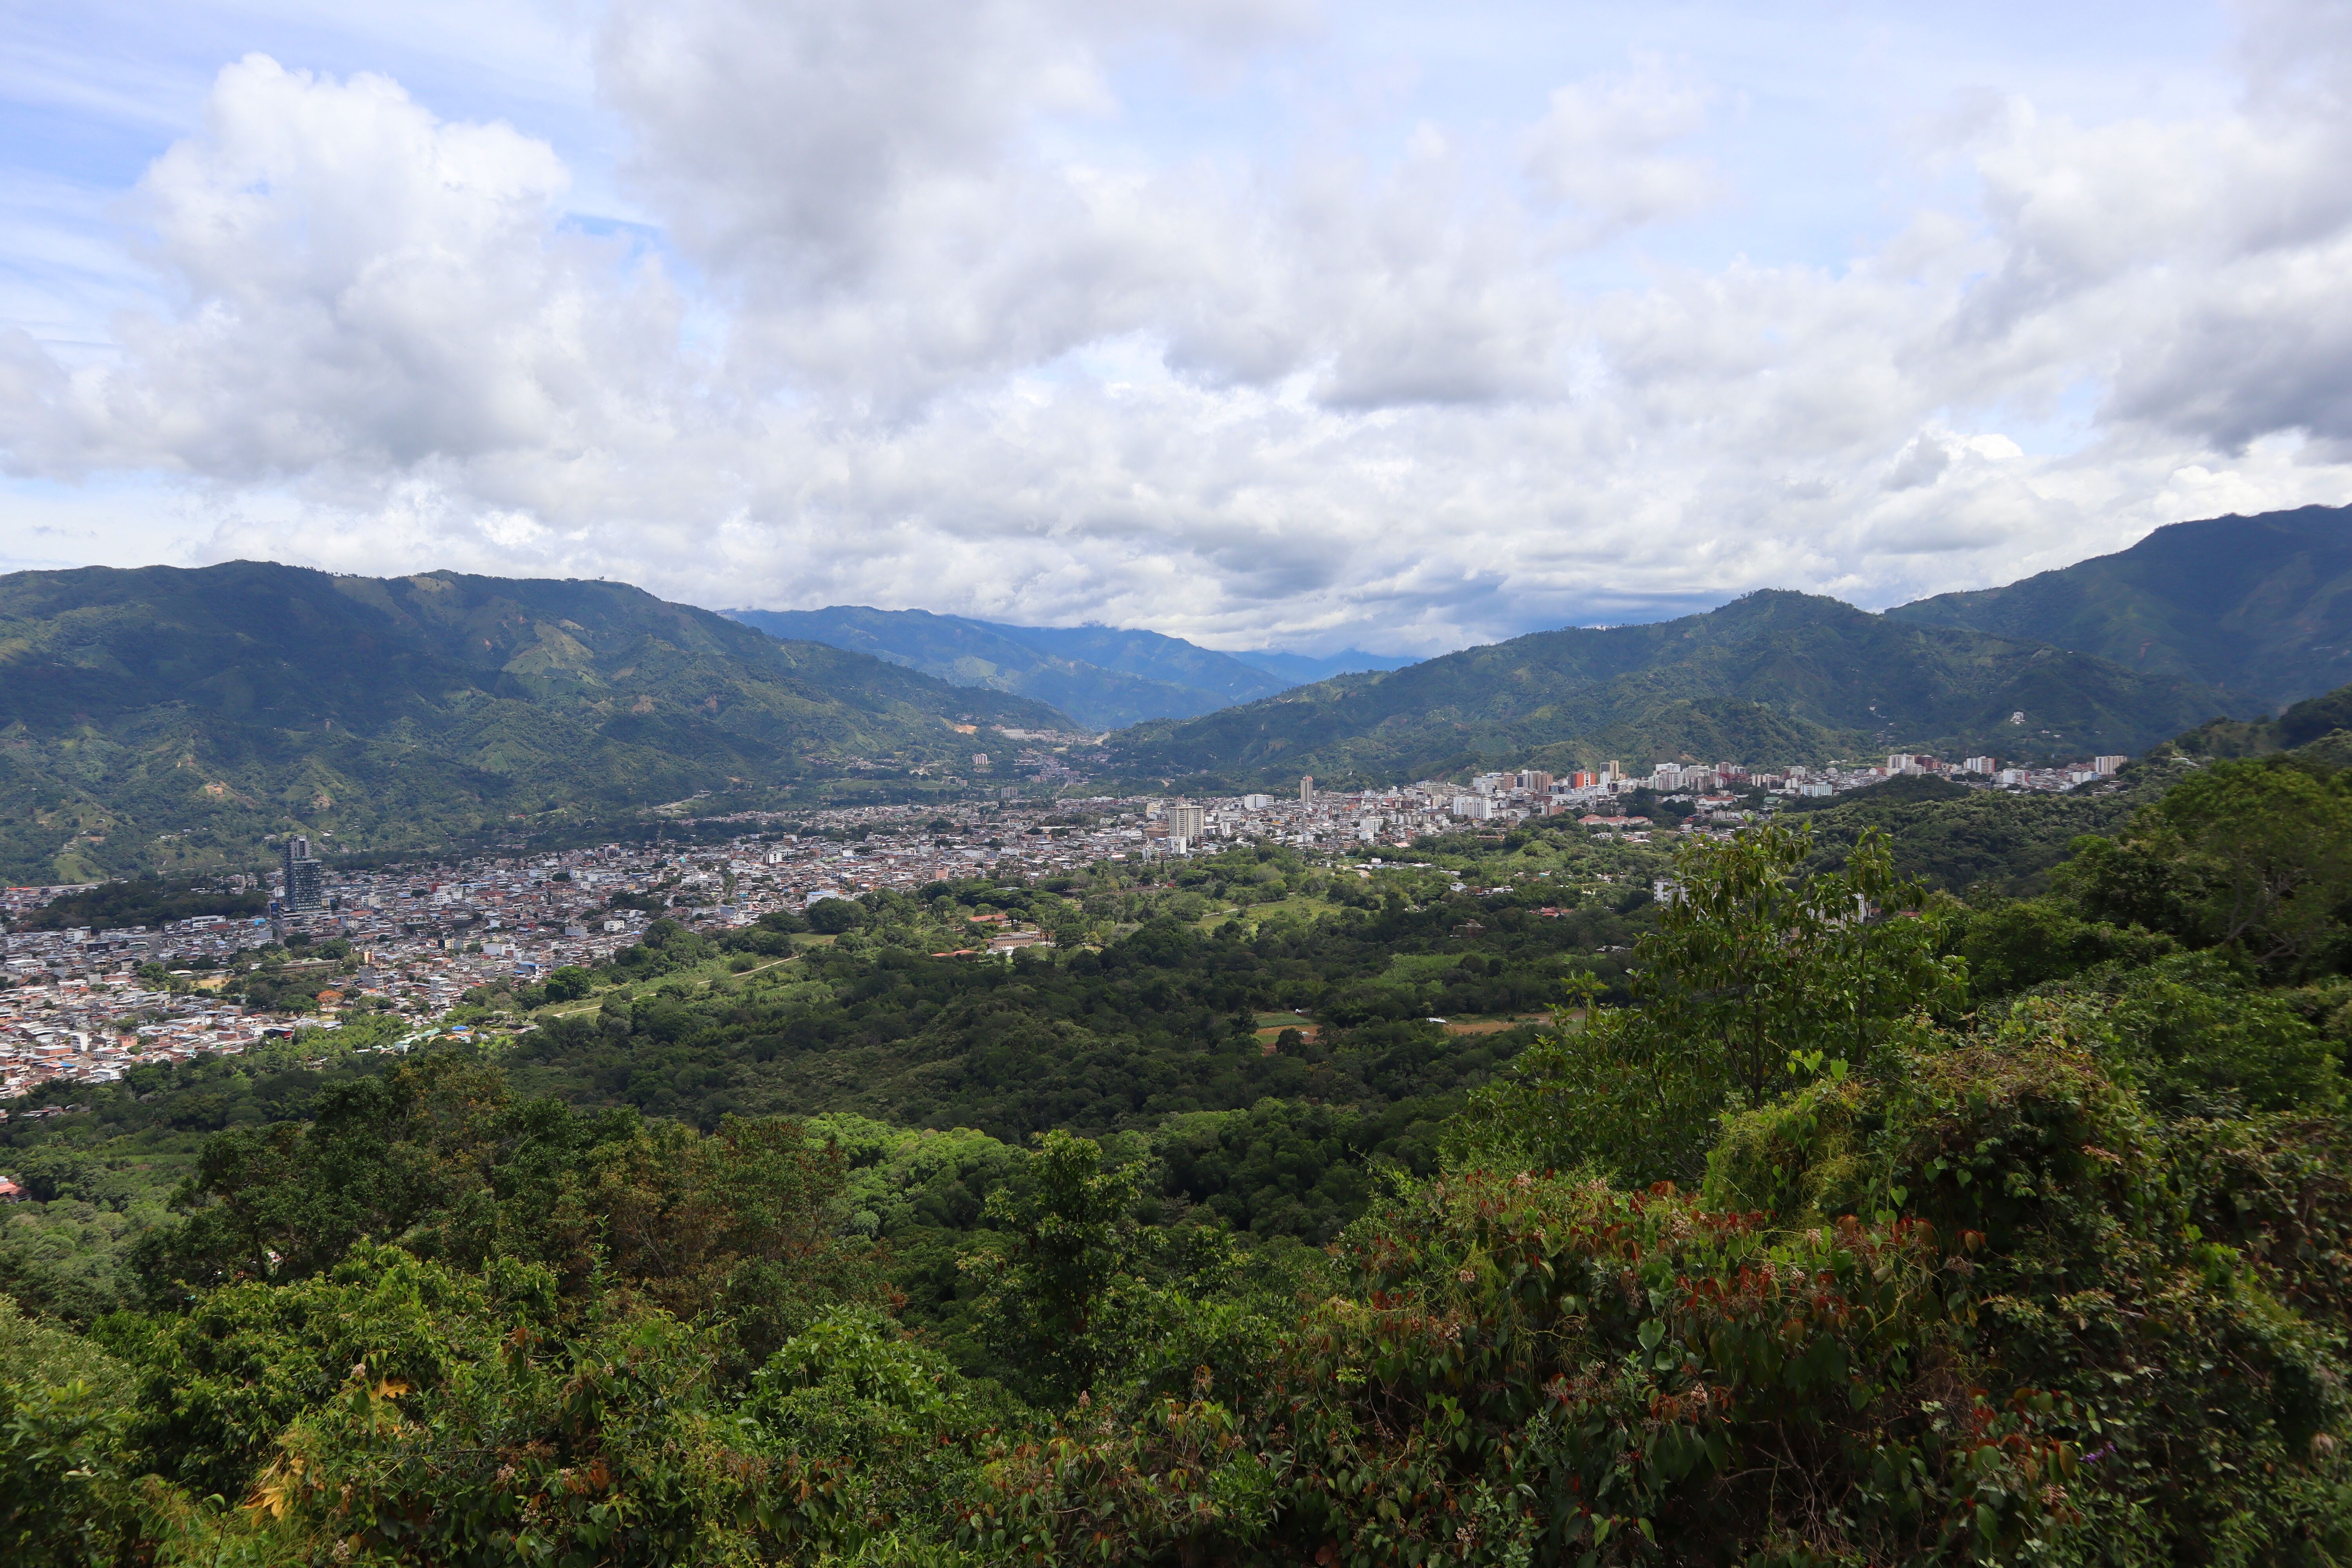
point(1278, 324)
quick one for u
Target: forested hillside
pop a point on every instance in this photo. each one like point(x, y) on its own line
point(1982, 1228)
point(1771, 678)
point(2258, 606)
point(2315, 725)
point(163, 718)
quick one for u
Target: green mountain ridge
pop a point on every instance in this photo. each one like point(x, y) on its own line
point(1774, 676)
point(2260, 607)
point(165, 717)
point(1223, 678)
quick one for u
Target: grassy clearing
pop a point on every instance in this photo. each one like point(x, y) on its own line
point(1299, 907)
point(704, 974)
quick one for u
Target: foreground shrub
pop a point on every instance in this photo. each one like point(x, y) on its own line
point(2014, 1343)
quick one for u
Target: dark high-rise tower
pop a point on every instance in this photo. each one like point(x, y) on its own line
point(305, 877)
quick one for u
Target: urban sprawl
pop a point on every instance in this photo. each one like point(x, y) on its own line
point(87, 1005)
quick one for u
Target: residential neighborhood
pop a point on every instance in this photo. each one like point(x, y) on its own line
point(87, 1005)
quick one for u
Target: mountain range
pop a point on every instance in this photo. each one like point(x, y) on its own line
point(1102, 676)
point(2228, 617)
point(1774, 676)
point(2258, 607)
point(172, 719)
point(165, 717)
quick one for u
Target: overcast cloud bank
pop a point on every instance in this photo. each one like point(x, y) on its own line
point(917, 314)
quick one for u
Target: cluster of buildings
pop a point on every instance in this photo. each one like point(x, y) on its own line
point(1723, 785)
point(2063, 776)
point(95, 1027)
point(88, 1004)
point(76, 954)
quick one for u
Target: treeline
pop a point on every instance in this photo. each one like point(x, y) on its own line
point(149, 900)
point(1985, 844)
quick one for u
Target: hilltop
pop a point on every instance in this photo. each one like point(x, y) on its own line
point(2318, 728)
point(170, 717)
point(1772, 677)
point(2260, 607)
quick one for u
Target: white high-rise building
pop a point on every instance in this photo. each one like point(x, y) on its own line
point(1257, 802)
point(1985, 765)
point(1186, 821)
point(2102, 766)
point(1307, 790)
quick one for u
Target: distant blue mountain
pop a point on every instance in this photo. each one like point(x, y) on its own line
point(1303, 669)
point(1107, 677)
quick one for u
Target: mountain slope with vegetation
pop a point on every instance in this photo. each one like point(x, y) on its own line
point(2314, 724)
point(165, 718)
point(2006, 1230)
point(1773, 676)
point(2258, 606)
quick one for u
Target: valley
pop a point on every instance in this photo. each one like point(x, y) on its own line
point(881, 1119)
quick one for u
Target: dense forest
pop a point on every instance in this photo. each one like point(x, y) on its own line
point(1908, 1180)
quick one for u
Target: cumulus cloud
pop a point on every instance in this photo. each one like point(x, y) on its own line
point(920, 323)
point(358, 288)
point(1603, 149)
point(869, 184)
